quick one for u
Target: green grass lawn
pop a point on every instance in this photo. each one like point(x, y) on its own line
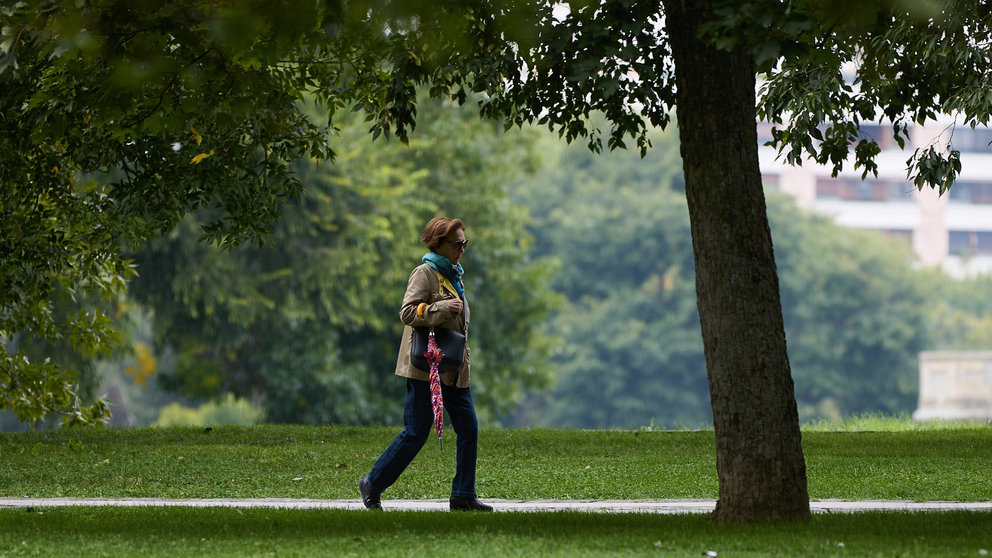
point(149, 532)
point(326, 462)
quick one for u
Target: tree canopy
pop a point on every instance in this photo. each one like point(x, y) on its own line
point(913, 62)
point(194, 105)
point(308, 326)
point(857, 310)
point(118, 119)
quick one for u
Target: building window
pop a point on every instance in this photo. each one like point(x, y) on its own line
point(961, 192)
point(853, 189)
point(882, 135)
point(901, 190)
point(971, 192)
point(984, 242)
point(959, 242)
point(827, 188)
point(981, 193)
point(970, 243)
point(764, 133)
point(965, 139)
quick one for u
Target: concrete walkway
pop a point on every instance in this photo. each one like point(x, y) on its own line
point(597, 506)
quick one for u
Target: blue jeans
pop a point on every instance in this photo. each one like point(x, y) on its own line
point(418, 422)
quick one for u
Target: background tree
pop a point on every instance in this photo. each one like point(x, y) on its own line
point(177, 106)
point(855, 306)
point(861, 62)
point(308, 327)
point(617, 228)
point(961, 320)
point(856, 311)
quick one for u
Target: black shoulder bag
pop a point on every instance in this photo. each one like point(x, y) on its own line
point(451, 343)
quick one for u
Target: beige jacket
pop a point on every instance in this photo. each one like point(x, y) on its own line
point(424, 286)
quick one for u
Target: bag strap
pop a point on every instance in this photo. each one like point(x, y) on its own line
point(445, 283)
point(442, 283)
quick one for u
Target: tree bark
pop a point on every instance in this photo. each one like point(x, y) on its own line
point(760, 464)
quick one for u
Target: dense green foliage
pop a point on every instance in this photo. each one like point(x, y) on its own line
point(179, 107)
point(899, 62)
point(857, 311)
point(632, 353)
point(308, 326)
point(962, 318)
point(856, 315)
point(175, 107)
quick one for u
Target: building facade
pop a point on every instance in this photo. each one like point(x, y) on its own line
point(953, 231)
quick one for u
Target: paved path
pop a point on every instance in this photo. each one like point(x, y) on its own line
point(600, 506)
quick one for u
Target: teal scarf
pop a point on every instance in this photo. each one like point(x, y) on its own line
point(443, 266)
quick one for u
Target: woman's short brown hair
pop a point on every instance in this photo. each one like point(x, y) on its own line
point(438, 228)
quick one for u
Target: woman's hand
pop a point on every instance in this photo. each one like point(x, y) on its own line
point(455, 305)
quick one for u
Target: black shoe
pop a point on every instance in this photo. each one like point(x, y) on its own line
point(467, 504)
point(369, 497)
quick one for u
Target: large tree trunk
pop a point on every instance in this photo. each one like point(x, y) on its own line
point(759, 452)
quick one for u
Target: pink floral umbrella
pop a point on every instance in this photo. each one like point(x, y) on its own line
point(434, 356)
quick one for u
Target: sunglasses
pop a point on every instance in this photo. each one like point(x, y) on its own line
point(459, 244)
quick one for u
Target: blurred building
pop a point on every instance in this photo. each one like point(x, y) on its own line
point(953, 231)
point(955, 385)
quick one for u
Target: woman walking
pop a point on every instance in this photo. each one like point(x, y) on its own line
point(435, 297)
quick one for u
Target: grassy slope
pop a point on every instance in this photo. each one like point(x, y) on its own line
point(514, 464)
point(518, 464)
